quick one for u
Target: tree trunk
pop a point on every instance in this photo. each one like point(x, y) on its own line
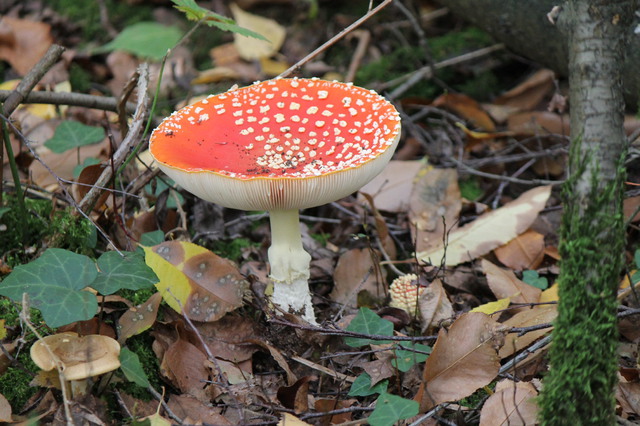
point(579, 386)
point(523, 26)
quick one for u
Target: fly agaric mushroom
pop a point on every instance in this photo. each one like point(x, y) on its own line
point(280, 145)
point(80, 357)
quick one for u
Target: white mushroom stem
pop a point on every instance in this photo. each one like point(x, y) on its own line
point(289, 265)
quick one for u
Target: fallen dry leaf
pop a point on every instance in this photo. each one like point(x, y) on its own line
point(434, 207)
point(184, 365)
point(5, 410)
point(504, 283)
point(628, 395)
point(379, 369)
point(392, 188)
point(434, 306)
point(489, 231)
point(250, 48)
point(530, 93)
point(538, 123)
point(354, 273)
point(467, 108)
point(491, 308)
point(513, 404)
point(527, 318)
point(296, 396)
point(185, 406)
point(464, 358)
point(526, 251)
point(291, 420)
point(139, 318)
point(23, 42)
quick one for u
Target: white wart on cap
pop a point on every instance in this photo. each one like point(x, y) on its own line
point(278, 145)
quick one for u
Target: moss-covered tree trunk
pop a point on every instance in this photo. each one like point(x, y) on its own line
point(579, 386)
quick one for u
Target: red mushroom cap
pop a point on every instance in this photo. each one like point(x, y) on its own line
point(278, 144)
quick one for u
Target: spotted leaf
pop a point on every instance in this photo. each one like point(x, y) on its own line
point(196, 280)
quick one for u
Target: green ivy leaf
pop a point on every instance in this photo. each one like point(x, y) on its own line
point(405, 359)
point(361, 386)
point(636, 258)
point(193, 12)
point(532, 278)
point(118, 272)
point(391, 408)
point(367, 322)
point(54, 282)
point(146, 39)
point(132, 368)
point(152, 238)
point(72, 134)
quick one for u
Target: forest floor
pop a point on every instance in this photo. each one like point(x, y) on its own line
point(461, 227)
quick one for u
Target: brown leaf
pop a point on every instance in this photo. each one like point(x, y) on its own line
point(5, 410)
point(391, 189)
point(464, 358)
point(504, 283)
point(296, 396)
point(185, 406)
point(631, 205)
point(324, 405)
point(355, 272)
point(434, 305)
point(23, 42)
point(467, 108)
point(379, 369)
point(526, 251)
point(538, 123)
point(434, 207)
point(139, 318)
point(527, 318)
point(628, 395)
point(228, 337)
point(184, 365)
point(250, 48)
point(530, 93)
point(489, 231)
point(512, 405)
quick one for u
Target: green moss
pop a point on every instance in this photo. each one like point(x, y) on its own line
point(583, 357)
point(71, 232)
point(138, 297)
point(35, 224)
point(232, 249)
point(14, 383)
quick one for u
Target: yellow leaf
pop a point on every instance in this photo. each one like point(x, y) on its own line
point(291, 420)
point(251, 48)
point(3, 330)
point(9, 84)
point(493, 307)
point(195, 281)
point(550, 294)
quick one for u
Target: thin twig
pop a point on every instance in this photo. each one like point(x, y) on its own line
point(103, 103)
point(334, 39)
point(129, 141)
point(29, 81)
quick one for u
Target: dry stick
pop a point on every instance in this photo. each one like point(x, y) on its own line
point(334, 39)
point(425, 72)
point(129, 141)
point(364, 38)
point(103, 103)
point(29, 81)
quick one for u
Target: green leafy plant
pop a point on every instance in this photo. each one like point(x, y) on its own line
point(72, 134)
point(389, 408)
point(193, 12)
point(145, 39)
point(532, 278)
point(55, 282)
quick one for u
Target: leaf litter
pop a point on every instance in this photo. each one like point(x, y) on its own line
point(440, 211)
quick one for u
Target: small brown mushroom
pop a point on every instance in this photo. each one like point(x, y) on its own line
point(80, 357)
